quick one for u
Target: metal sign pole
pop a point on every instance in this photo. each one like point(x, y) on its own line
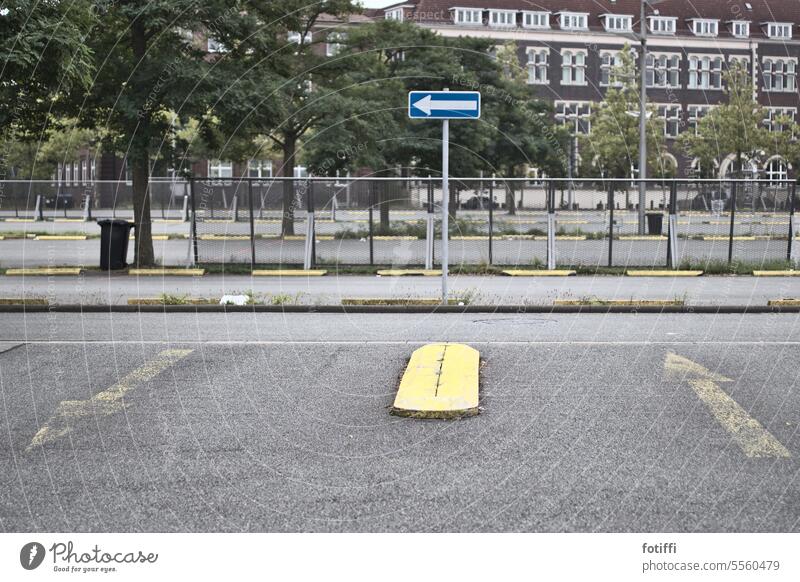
point(445, 204)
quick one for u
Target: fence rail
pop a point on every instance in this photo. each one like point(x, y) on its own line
point(397, 221)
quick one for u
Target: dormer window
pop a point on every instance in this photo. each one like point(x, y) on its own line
point(705, 26)
point(740, 28)
point(394, 14)
point(617, 23)
point(467, 16)
point(574, 20)
point(662, 24)
point(781, 30)
point(535, 19)
point(502, 18)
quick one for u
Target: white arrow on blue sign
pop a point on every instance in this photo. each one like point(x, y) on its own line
point(444, 104)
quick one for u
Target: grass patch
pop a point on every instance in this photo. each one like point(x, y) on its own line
point(168, 299)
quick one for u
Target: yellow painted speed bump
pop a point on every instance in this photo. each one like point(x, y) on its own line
point(440, 381)
point(538, 273)
point(776, 273)
point(784, 303)
point(289, 273)
point(170, 272)
point(46, 271)
point(410, 272)
point(60, 237)
point(663, 273)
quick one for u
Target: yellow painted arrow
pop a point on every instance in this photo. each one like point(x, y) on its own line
point(749, 434)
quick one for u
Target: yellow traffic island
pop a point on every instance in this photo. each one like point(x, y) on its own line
point(167, 272)
point(45, 271)
point(23, 301)
point(784, 302)
point(410, 272)
point(662, 273)
point(776, 273)
point(620, 302)
point(538, 273)
point(653, 237)
point(401, 301)
point(393, 237)
point(61, 237)
point(440, 381)
point(289, 273)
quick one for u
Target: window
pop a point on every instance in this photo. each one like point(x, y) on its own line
point(502, 18)
point(259, 169)
point(777, 117)
point(704, 27)
point(538, 63)
point(663, 70)
point(616, 23)
point(535, 19)
point(220, 169)
point(300, 172)
point(662, 24)
point(214, 46)
point(694, 113)
point(776, 171)
point(609, 61)
point(68, 177)
point(573, 20)
point(92, 167)
point(467, 16)
point(84, 175)
point(779, 75)
point(295, 37)
point(779, 30)
point(395, 14)
point(334, 43)
point(575, 114)
point(705, 72)
point(573, 67)
point(671, 114)
point(740, 28)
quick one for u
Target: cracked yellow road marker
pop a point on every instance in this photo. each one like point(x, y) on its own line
point(746, 431)
point(108, 401)
point(440, 381)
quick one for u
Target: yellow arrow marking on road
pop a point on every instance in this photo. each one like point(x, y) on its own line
point(108, 401)
point(749, 434)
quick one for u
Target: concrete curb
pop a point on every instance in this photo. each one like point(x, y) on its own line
point(421, 309)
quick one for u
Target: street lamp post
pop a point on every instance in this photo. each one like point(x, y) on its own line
point(643, 118)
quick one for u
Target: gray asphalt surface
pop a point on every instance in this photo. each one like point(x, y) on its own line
point(117, 288)
point(279, 423)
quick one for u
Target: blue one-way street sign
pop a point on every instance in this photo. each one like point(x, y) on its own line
point(444, 104)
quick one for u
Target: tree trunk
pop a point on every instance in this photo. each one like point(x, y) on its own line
point(143, 250)
point(289, 153)
point(511, 199)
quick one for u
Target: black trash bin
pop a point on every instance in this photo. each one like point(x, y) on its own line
point(655, 222)
point(114, 235)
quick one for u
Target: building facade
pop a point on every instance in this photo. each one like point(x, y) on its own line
point(569, 48)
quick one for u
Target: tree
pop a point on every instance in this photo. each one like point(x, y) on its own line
point(150, 68)
point(612, 149)
point(735, 127)
point(30, 159)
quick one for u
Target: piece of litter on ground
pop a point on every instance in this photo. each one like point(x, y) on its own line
point(233, 300)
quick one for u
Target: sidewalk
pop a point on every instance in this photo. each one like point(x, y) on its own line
point(95, 288)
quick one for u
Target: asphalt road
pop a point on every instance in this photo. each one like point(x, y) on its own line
point(270, 422)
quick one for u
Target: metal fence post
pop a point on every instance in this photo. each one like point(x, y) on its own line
point(185, 210)
point(235, 207)
point(733, 220)
point(308, 259)
point(371, 199)
point(429, 231)
point(792, 193)
point(491, 218)
point(87, 208)
point(672, 227)
point(193, 224)
point(610, 223)
point(252, 224)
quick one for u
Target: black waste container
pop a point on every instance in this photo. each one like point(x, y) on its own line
point(114, 235)
point(655, 222)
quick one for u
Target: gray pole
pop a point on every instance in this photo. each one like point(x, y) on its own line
point(445, 203)
point(643, 120)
